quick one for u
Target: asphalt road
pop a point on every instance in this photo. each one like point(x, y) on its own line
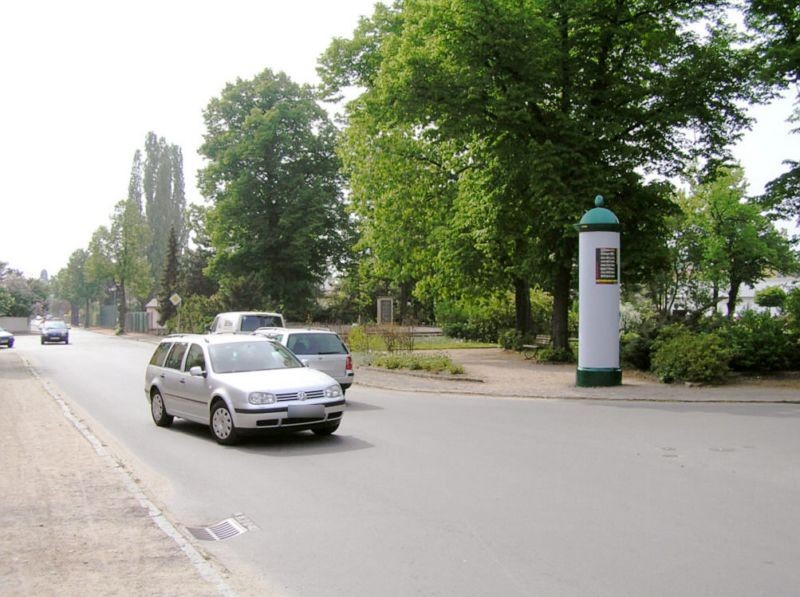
point(466, 495)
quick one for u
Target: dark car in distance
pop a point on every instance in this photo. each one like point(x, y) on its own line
point(54, 331)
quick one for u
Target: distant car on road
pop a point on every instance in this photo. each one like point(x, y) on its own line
point(323, 350)
point(6, 338)
point(235, 383)
point(54, 330)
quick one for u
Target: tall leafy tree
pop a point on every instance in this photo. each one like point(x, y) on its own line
point(135, 182)
point(165, 198)
point(127, 244)
point(557, 102)
point(277, 223)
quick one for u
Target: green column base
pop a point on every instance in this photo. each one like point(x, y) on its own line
point(593, 378)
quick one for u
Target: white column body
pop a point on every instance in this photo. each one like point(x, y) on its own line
point(598, 331)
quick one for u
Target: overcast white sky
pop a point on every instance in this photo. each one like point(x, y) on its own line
point(83, 81)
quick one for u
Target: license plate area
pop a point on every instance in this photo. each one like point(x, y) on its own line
point(306, 411)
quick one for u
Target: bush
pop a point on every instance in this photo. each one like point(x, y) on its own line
point(760, 342)
point(514, 340)
point(551, 355)
point(358, 340)
point(434, 363)
point(484, 318)
point(681, 355)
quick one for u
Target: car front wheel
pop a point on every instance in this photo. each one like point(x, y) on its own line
point(160, 415)
point(222, 425)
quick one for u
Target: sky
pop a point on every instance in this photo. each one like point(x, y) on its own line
point(83, 82)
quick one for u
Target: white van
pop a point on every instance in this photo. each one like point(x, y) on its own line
point(245, 322)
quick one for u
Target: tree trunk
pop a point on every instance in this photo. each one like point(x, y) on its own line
point(733, 294)
point(522, 305)
point(714, 298)
point(87, 316)
point(122, 309)
point(559, 324)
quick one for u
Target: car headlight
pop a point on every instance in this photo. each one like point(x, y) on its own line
point(261, 398)
point(333, 391)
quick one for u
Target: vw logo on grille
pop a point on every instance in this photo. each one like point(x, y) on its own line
point(301, 395)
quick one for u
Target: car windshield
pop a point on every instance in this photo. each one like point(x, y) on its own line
point(316, 343)
point(55, 325)
point(239, 357)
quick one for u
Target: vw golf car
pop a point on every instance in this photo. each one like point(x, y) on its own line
point(235, 384)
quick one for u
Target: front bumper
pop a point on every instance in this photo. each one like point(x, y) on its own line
point(295, 415)
point(54, 337)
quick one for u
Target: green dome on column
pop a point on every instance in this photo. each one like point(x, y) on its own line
point(598, 218)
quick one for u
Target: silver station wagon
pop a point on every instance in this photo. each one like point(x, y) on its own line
point(236, 383)
point(320, 349)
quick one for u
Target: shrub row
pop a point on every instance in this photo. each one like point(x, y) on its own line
point(756, 342)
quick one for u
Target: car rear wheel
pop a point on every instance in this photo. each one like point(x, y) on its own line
point(327, 428)
point(222, 425)
point(159, 412)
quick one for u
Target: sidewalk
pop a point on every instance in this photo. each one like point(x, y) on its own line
point(74, 521)
point(502, 373)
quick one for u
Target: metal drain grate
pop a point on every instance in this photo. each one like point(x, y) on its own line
point(225, 529)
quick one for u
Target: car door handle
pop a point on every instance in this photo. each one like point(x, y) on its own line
point(183, 381)
point(163, 376)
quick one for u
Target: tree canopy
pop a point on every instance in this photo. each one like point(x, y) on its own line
point(542, 105)
point(277, 221)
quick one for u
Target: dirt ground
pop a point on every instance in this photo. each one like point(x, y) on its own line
point(72, 524)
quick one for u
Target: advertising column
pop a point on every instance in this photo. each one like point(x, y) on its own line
point(598, 298)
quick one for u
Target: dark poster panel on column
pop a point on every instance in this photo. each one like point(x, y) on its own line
point(605, 265)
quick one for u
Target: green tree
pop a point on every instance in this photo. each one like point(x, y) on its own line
point(22, 296)
point(777, 23)
point(6, 302)
point(165, 199)
point(773, 296)
point(277, 224)
point(135, 182)
point(74, 285)
point(739, 244)
point(554, 102)
point(127, 247)
point(192, 277)
point(169, 280)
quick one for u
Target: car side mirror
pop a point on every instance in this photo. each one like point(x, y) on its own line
point(197, 372)
point(305, 362)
